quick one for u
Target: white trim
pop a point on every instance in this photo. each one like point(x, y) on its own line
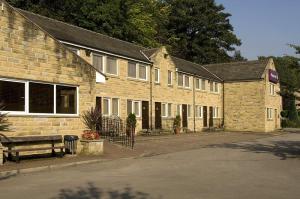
point(171, 78)
point(107, 53)
point(26, 100)
point(108, 109)
point(158, 75)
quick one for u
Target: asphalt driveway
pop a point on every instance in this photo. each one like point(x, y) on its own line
point(267, 167)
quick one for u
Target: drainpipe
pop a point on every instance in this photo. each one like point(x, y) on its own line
point(194, 106)
point(151, 68)
point(223, 101)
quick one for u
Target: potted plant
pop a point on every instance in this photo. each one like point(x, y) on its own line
point(90, 139)
point(131, 124)
point(176, 124)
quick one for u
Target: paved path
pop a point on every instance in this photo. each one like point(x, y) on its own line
point(265, 168)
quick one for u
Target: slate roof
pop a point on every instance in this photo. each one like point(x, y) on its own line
point(239, 71)
point(73, 34)
point(193, 68)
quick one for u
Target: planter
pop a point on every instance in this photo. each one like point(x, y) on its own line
point(177, 130)
point(92, 147)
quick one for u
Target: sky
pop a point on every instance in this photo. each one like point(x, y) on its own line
point(265, 27)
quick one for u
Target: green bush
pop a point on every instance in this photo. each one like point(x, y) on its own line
point(290, 124)
point(284, 113)
point(177, 121)
point(131, 121)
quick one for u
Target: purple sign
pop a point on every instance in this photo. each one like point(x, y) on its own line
point(273, 76)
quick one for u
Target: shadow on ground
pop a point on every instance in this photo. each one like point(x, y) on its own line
point(282, 149)
point(93, 192)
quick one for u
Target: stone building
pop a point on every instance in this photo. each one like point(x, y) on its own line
point(51, 71)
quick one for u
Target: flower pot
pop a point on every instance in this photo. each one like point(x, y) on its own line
point(92, 147)
point(177, 130)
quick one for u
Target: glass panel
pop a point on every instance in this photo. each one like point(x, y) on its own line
point(111, 65)
point(178, 110)
point(169, 77)
point(156, 74)
point(211, 85)
point(216, 87)
point(203, 84)
point(163, 110)
point(187, 81)
point(12, 95)
point(129, 107)
point(180, 79)
point(115, 106)
point(66, 98)
point(41, 98)
point(197, 83)
point(136, 108)
point(131, 69)
point(142, 72)
point(106, 106)
point(170, 110)
point(189, 111)
point(98, 62)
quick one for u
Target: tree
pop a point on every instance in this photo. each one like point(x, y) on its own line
point(200, 31)
point(237, 56)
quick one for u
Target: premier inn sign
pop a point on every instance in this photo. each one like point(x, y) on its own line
point(273, 76)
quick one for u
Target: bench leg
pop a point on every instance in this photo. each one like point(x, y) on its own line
point(61, 152)
point(53, 151)
point(17, 157)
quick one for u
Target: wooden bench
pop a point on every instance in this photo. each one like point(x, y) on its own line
point(12, 142)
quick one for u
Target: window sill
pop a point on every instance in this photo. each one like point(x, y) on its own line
point(137, 80)
point(199, 90)
point(156, 83)
point(184, 88)
point(270, 120)
point(112, 75)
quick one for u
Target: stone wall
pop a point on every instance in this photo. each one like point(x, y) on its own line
point(28, 53)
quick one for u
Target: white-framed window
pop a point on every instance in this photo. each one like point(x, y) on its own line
point(215, 112)
point(272, 89)
point(214, 87)
point(197, 84)
point(178, 109)
point(166, 110)
point(106, 106)
point(111, 65)
point(170, 77)
point(269, 113)
point(137, 71)
point(189, 110)
point(211, 86)
point(98, 61)
point(203, 86)
point(111, 106)
point(183, 80)
point(156, 75)
point(38, 98)
point(199, 111)
point(134, 107)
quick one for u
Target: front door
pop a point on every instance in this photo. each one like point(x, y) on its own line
point(184, 116)
point(98, 103)
point(145, 115)
point(205, 116)
point(211, 120)
point(157, 115)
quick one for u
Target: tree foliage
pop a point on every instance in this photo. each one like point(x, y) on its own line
point(197, 30)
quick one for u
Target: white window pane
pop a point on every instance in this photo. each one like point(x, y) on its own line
point(203, 84)
point(189, 111)
point(129, 107)
point(111, 66)
point(163, 110)
point(180, 79)
point(211, 85)
point(131, 69)
point(197, 84)
point(187, 81)
point(136, 108)
point(98, 62)
point(143, 72)
point(106, 106)
point(170, 110)
point(169, 77)
point(156, 70)
point(216, 87)
point(115, 106)
point(178, 110)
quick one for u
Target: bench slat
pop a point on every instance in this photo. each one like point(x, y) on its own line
point(22, 139)
point(33, 149)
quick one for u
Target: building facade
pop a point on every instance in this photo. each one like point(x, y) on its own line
point(52, 71)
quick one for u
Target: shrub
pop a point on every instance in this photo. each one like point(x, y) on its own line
point(92, 118)
point(284, 113)
point(131, 122)
point(177, 121)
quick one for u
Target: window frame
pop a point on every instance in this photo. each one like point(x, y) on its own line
point(166, 115)
point(171, 78)
point(183, 80)
point(105, 65)
point(137, 71)
point(269, 114)
point(26, 110)
point(103, 61)
point(272, 89)
point(199, 114)
point(158, 75)
point(215, 112)
point(132, 106)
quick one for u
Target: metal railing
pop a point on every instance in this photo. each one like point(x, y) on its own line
point(113, 129)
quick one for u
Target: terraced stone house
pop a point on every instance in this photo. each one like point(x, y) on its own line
point(52, 71)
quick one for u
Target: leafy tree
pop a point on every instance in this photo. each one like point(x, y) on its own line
point(200, 31)
point(237, 56)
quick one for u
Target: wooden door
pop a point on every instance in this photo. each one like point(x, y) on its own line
point(99, 103)
point(157, 115)
point(145, 115)
point(184, 116)
point(211, 120)
point(204, 116)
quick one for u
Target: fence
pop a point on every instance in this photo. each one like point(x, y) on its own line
point(113, 129)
